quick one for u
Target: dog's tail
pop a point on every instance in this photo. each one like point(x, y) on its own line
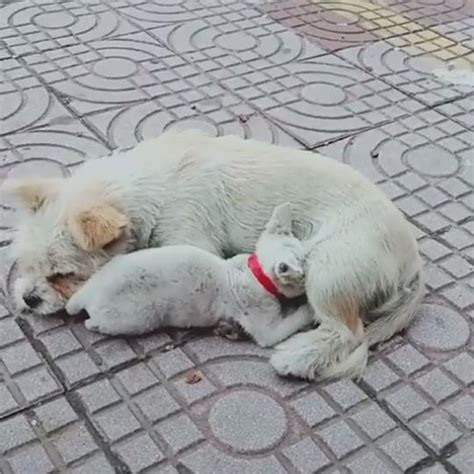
point(322, 353)
point(329, 352)
point(395, 313)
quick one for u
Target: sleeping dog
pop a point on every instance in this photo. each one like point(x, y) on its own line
point(363, 271)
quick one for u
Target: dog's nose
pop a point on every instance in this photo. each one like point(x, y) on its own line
point(32, 300)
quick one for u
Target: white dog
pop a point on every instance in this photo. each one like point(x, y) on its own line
point(184, 286)
point(363, 276)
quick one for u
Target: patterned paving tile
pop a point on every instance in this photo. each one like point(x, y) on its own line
point(25, 379)
point(425, 65)
point(314, 99)
point(82, 77)
point(343, 23)
point(52, 438)
point(28, 27)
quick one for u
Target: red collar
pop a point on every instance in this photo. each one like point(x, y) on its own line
point(262, 277)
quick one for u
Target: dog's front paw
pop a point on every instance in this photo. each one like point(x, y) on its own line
point(230, 330)
point(92, 325)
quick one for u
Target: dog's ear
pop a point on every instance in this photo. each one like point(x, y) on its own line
point(98, 226)
point(32, 193)
point(280, 222)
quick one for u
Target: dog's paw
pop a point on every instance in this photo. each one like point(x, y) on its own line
point(230, 330)
point(73, 307)
point(91, 325)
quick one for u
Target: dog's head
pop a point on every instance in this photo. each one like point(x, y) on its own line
point(281, 254)
point(64, 235)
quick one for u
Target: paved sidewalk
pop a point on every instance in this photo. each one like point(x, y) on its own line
point(384, 85)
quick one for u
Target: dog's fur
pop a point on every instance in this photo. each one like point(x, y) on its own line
point(184, 286)
point(363, 266)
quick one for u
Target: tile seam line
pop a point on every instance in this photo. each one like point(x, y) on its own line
point(219, 83)
point(269, 118)
point(420, 28)
point(84, 121)
point(433, 456)
point(61, 100)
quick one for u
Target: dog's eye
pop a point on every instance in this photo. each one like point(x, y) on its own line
point(283, 267)
point(55, 277)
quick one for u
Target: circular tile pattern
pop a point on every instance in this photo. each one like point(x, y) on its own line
point(432, 160)
point(115, 68)
point(195, 124)
point(323, 94)
point(339, 17)
point(237, 41)
point(38, 167)
point(425, 64)
point(248, 421)
point(439, 327)
point(54, 20)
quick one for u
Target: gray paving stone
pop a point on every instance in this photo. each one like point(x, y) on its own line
point(463, 410)
point(433, 249)
point(98, 395)
point(8, 403)
point(463, 460)
point(61, 342)
point(374, 421)
point(209, 459)
point(462, 366)
point(454, 186)
point(458, 238)
point(23, 461)
point(20, 357)
point(139, 453)
point(369, 464)
point(114, 353)
point(408, 359)
point(94, 463)
point(14, 432)
point(436, 278)
point(194, 392)
point(156, 404)
point(74, 443)
point(438, 432)
point(313, 409)
point(10, 331)
point(460, 296)
point(404, 450)
point(439, 327)
point(435, 469)
point(179, 432)
point(341, 439)
point(77, 368)
point(82, 78)
point(379, 376)
point(56, 414)
point(345, 393)
point(173, 362)
point(37, 384)
point(248, 421)
point(407, 403)
point(306, 456)
point(238, 373)
point(137, 378)
point(116, 423)
point(436, 384)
